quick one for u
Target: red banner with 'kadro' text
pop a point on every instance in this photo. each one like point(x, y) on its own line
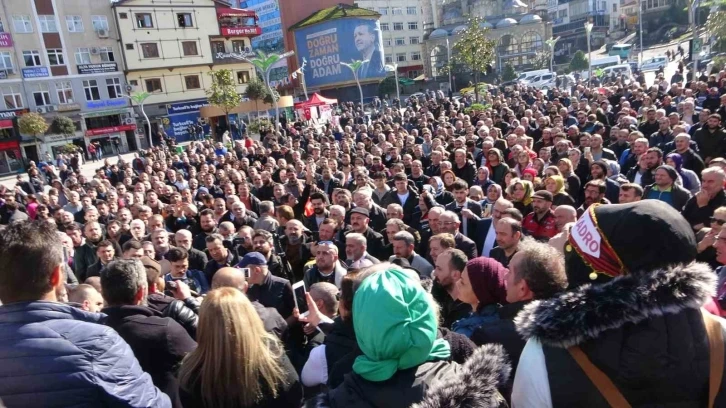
point(112, 129)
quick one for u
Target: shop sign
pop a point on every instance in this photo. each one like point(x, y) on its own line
point(241, 31)
point(57, 138)
point(9, 144)
point(108, 103)
point(112, 129)
point(6, 40)
point(185, 107)
point(104, 113)
point(6, 123)
point(97, 68)
point(68, 107)
point(35, 72)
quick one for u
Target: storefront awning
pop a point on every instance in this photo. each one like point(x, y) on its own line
point(235, 12)
point(6, 124)
point(420, 77)
point(405, 81)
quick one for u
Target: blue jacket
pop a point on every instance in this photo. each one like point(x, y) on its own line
point(55, 355)
point(485, 315)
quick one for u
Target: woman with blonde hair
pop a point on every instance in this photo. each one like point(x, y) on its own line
point(520, 194)
point(236, 363)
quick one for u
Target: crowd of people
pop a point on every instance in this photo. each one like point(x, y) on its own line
point(553, 249)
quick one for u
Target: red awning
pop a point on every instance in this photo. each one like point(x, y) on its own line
point(235, 12)
point(6, 124)
point(316, 100)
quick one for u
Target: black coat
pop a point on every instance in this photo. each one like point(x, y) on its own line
point(186, 312)
point(376, 245)
point(466, 245)
point(409, 207)
point(159, 343)
point(503, 332)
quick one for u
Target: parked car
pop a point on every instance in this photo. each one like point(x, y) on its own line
point(544, 82)
point(654, 64)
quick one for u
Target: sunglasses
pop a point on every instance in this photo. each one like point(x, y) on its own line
point(717, 221)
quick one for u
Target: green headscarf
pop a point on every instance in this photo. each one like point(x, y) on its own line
point(395, 325)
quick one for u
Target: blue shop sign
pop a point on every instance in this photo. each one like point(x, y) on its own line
point(36, 72)
point(186, 107)
point(108, 103)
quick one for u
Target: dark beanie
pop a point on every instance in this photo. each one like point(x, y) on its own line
point(602, 165)
point(672, 173)
point(487, 280)
point(645, 236)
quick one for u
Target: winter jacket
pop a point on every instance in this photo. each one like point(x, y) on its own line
point(652, 346)
point(159, 343)
point(434, 384)
point(486, 314)
point(186, 312)
point(678, 195)
point(56, 355)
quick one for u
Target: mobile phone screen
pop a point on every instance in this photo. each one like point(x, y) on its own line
point(300, 301)
point(246, 272)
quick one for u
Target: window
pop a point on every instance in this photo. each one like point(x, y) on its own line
point(55, 57)
point(396, 11)
point(387, 42)
point(74, 24)
point(189, 48)
point(411, 10)
point(414, 40)
point(153, 85)
point(218, 46)
point(389, 59)
point(400, 41)
point(563, 13)
point(184, 20)
point(239, 46)
point(192, 82)
point(90, 87)
point(123, 16)
point(83, 56)
point(64, 92)
point(397, 26)
point(149, 50)
point(134, 82)
point(401, 57)
point(31, 58)
point(615, 8)
point(413, 25)
point(113, 85)
point(416, 56)
point(41, 96)
point(383, 10)
point(99, 22)
point(106, 54)
point(144, 20)
point(12, 97)
point(243, 77)
point(22, 24)
point(6, 61)
point(2, 27)
point(384, 27)
point(47, 24)
point(129, 46)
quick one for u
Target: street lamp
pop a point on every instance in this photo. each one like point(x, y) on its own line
point(354, 66)
point(448, 61)
point(551, 44)
point(394, 67)
point(694, 55)
point(140, 98)
point(588, 30)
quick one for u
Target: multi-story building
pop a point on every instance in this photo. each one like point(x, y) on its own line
point(170, 48)
point(271, 40)
point(61, 58)
point(402, 27)
point(571, 27)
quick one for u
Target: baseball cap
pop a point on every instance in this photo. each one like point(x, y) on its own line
point(252, 258)
point(361, 211)
point(543, 195)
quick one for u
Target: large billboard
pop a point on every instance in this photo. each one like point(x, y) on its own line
point(324, 46)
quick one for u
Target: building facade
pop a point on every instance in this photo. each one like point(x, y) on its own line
point(517, 28)
point(61, 58)
point(169, 50)
point(271, 40)
point(402, 27)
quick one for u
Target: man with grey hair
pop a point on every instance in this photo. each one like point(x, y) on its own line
point(159, 343)
point(536, 272)
point(197, 259)
point(356, 248)
point(699, 208)
point(267, 220)
point(403, 247)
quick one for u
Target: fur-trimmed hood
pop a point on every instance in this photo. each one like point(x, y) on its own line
point(476, 384)
point(584, 313)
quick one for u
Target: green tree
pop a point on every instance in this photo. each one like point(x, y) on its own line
point(223, 92)
point(63, 125)
point(33, 124)
point(579, 62)
point(256, 91)
point(508, 73)
point(474, 51)
point(716, 22)
point(387, 86)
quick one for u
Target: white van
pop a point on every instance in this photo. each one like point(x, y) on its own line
point(527, 76)
point(544, 82)
point(653, 64)
point(619, 70)
point(601, 63)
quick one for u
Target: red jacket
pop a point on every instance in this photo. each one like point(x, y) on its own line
point(543, 229)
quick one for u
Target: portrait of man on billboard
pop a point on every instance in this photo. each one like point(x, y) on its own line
point(368, 42)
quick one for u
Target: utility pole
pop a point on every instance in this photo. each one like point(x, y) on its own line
point(640, 21)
